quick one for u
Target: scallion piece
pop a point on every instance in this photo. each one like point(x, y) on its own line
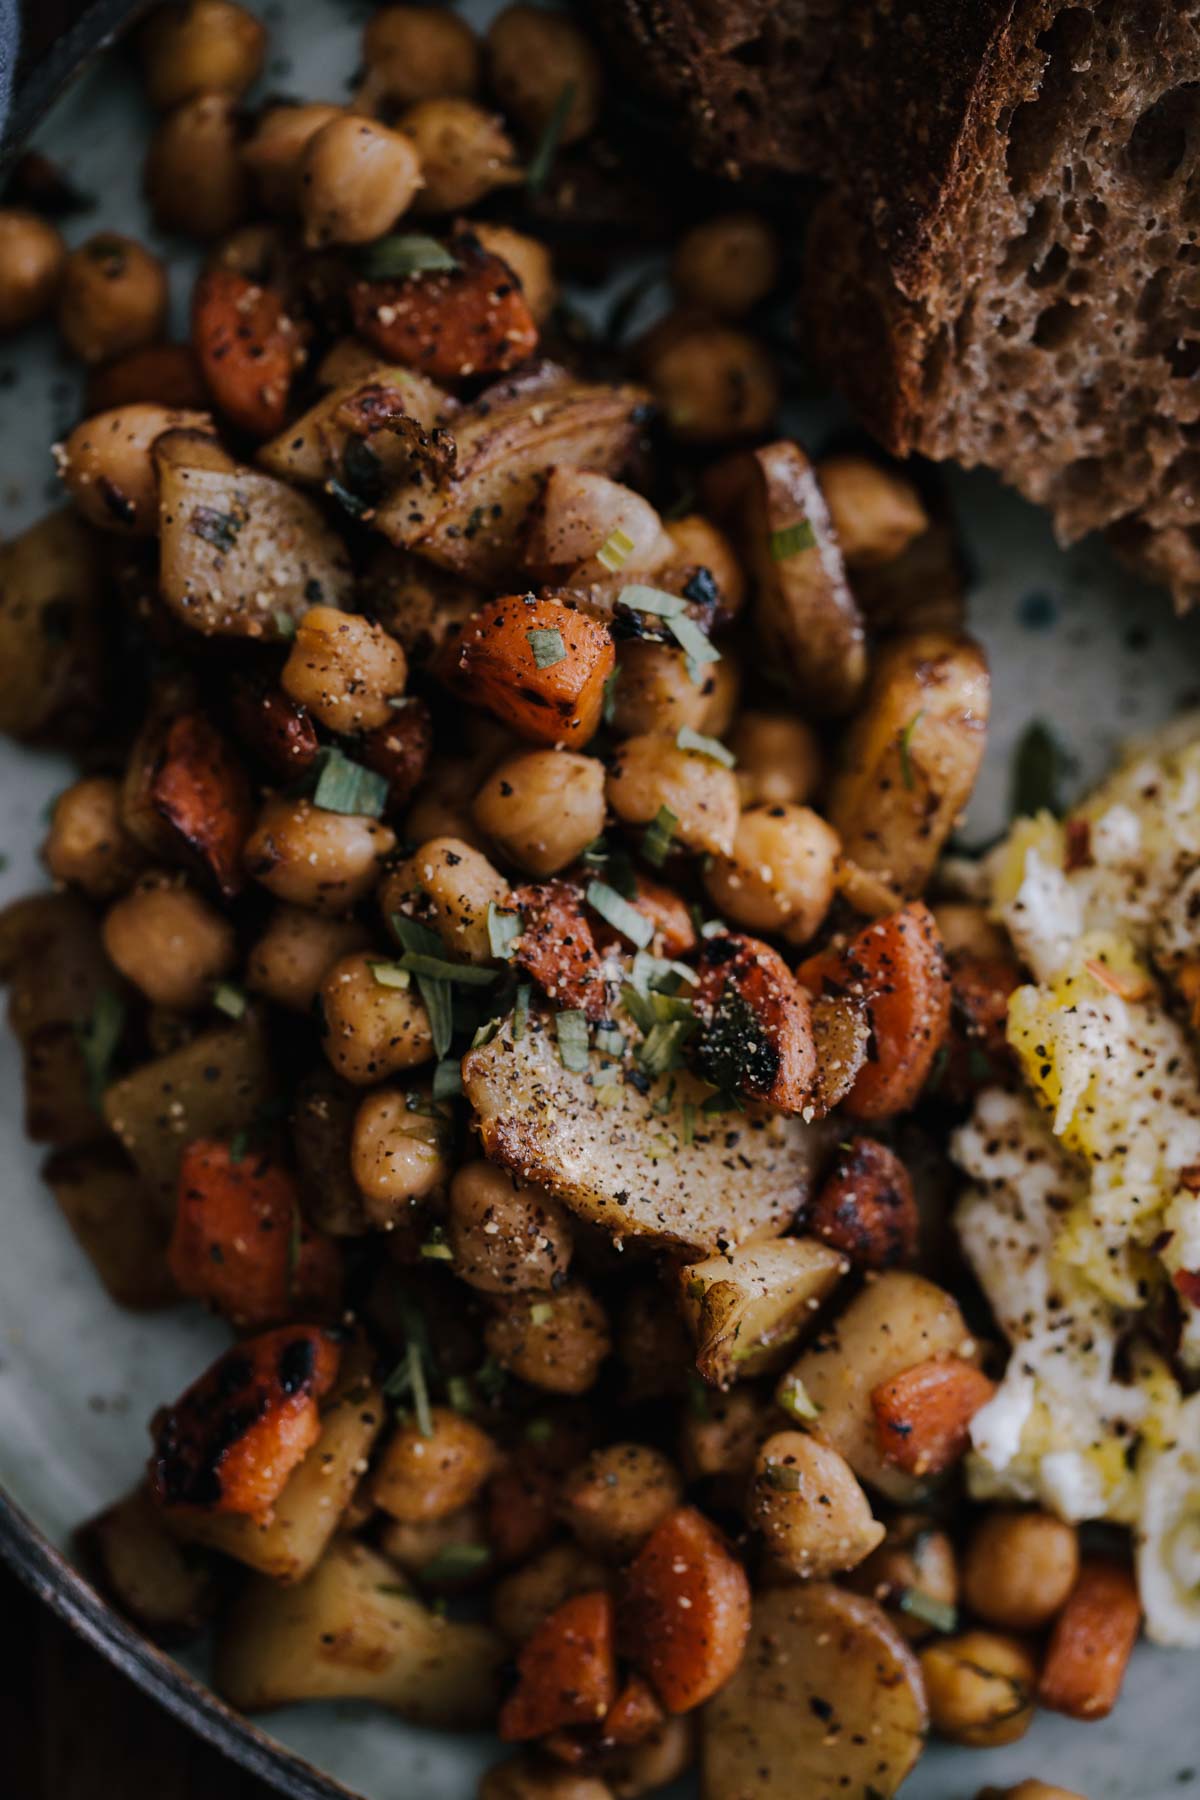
point(784, 1477)
point(447, 1079)
point(98, 1039)
point(662, 1047)
point(390, 974)
point(547, 646)
point(687, 739)
point(659, 837)
point(405, 253)
point(937, 1613)
point(791, 539)
point(795, 1398)
point(698, 648)
point(541, 1312)
point(571, 1028)
point(619, 913)
point(688, 1132)
point(542, 160)
point(651, 600)
point(454, 1562)
point(442, 969)
point(610, 1040)
point(346, 787)
point(608, 1093)
point(503, 929)
point(615, 550)
point(229, 998)
point(285, 625)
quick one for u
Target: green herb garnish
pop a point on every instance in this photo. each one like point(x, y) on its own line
point(436, 994)
point(571, 1029)
point(343, 786)
point(435, 1248)
point(615, 550)
point(542, 160)
point(782, 1476)
point(906, 737)
point(791, 539)
point(454, 1562)
point(407, 253)
point(937, 1613)
point(1039, 765)
point(619, 913)
point(98, 1038)
point(650, 600)
point(697, 648)
point(389, 974)
point(659, 837)
point(285, 625)
point(419, 962)
point(547, 646)
point(541, 1312)
point(520, 1013)
point(662, 1048)
point(503, 930)
point(687, 739)
point(795, 1398)
point(220, 529)
point(447, 1079)
point(229, 998)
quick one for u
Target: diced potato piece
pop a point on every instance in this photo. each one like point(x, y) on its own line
point(346, 1633)
point(748, 1307)
point(118, 1223)
point(827, 1702)
point(162, 1585)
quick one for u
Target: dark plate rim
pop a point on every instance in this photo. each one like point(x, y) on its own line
point(44, 1569)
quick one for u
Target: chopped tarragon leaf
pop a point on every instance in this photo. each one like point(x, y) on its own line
point(547, 646)
point(229, 998)
point(696, 646)
point(655, 974)
point(615, 550)
point(447, 1079)
point(906, 738)
point(98, 1039)
point(419, 1388)
point(791, 539)
point(571, 1028)
point(343, 786)
point(442, 969)
point(503, 929)
point(795, 1398)
point(541, 1312)
point(610, 1040)
point(389, 974)
point(405, 253)
point(542, 160)
point(437, 994)
point(651, 600)
point(662, 1047)
point(1039, 764)
point(937, 1613)
point(520, 1014)
point(454, 1562)
point(659, 837)
point(619, 913)
point(687, 739)
point(609, 1093)
point(285, 625)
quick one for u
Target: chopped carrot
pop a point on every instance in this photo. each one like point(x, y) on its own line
point(232, 1439)
point(685, 1610)
point(897, 967)
point(249, 349)
point(449, 323)
point(401, 750)
point(633, 1715)
point(756, 1034)
point(167, 374)
point(240, 1241)
point(200, 789)
point(866, 1207)
point(566, 1673)
point(557, 948)
point(1092, 1640)
point(538, 664)
point(924, 1414)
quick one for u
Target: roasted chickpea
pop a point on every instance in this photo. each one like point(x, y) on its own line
point(650, 772)
point(196, 182)
point(655, 693)
point(204, 47)
point(810, 1509)
point(442, 805)
point(464, 153)
point(275, 152)
point(876, 513)
point(344, 670)
point(356, 178)
point(417, 1544)
point(778, 758)
point(506, 1237)
point(169, 942)
point(295, 952)
point(108, 469)
point(614, 1499)
point(32, 255)
point(323, 860)
point(523, 1777)
point(87, 844)
point(780, 875)
point(714, 383)
point(726, 265)
point(534, 56)
point(415, 53)
point(555, 1341)
point(530, 1594)
point(914, 1573)
point(1019, 1568)
point(980, 1687)
point(112, 298)
point(398, 1151)
point(420, 1478)
point(697, 540)
point(724, 1438)
point(371, 1028)
point(529, 260)
point(456, 884)
point(542, 808)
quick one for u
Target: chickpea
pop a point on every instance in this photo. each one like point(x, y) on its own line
point(534, 57)
point(531, 1593)
point(778, 758)
point(724, 1438)
point(112, 298)
point(964, 927)
point(344, 670)
point(356, 178)
point(442, 807)
point(579, 514)
point(523, 1777)
point(980, 1687)
point(323, 860)
point(417, 53)
point(1019, 1567)
point(420, 1478)
point(914, 1559)
point(398, 1151)
point(529, 260)
point(810, 1509)
point(655, 693)
point(414, 1544)
point(32, 255)
point(616, 1497)
point(195, 179)
point(372, 1030)
point(726, 265)
point(876, 513)
point(714, 383)
point(650, 772)
point(780, 876)
point(542, 808)
point(464, 153)
point(506, 1236)
point(697, 540)
point(460, 884)
point(205, 47)
point(108, 469)
point(295, 952)
point(275, 152)
point(556, 1341)
point(169, 942)
point(87, 844)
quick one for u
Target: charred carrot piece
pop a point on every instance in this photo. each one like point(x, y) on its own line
point(685, 1610)
point(756, 1034)
point(633, 1715)
point(273, 727)
point(232, 1439)
point(866, 1207)
point(449, 323)
point(249, 349)
point(538, 664)
point(1092, 1641)
point(200, 789)
point(557, 948)
point(673, 928)
point(241, 1243)
point(924, 1414)
point(566, 1673)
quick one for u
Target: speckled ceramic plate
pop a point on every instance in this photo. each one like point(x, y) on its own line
point(1072, 642)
